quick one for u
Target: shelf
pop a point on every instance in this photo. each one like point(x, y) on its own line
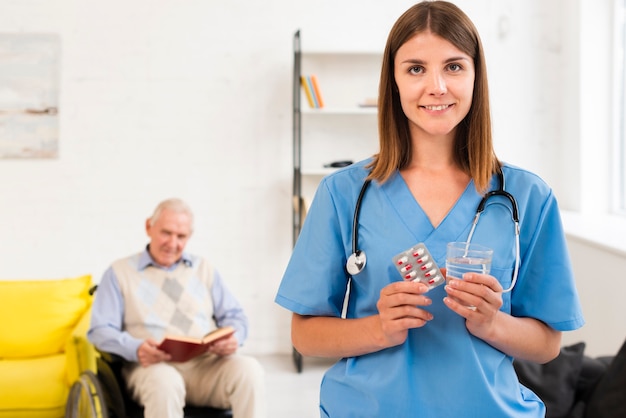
point(320, 171)
point(346, 80)
point(340, 111)
point(346, 127)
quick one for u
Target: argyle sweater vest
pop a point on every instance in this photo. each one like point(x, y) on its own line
point(159, 302)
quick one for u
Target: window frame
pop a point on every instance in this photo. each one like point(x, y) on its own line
point(619, 106)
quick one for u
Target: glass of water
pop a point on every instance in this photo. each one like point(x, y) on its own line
point(467, 257)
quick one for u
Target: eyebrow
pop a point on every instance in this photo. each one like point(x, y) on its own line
point(449, 60)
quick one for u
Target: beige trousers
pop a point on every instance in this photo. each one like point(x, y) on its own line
point(236, 382)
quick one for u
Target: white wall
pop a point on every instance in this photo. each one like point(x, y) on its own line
point(192, 99)
point(601, 287)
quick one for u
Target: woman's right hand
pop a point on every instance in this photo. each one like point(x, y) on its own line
point(400, 308)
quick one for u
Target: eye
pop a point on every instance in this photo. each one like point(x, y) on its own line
point(454, 67)
point(416, 69)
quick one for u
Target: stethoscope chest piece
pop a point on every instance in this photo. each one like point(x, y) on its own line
point(356, 262)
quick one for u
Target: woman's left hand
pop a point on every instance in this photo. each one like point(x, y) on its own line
point(477, 298)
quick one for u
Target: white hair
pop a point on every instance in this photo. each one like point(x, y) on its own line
point(175, 205)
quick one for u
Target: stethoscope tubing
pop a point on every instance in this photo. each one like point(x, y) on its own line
point(357, 260)
point(355, 219)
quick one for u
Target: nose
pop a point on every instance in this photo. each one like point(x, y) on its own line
point(172, 241)
point(437, 84)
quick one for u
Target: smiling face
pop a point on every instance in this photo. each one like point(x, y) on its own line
point(168, 234)
point(435, 83)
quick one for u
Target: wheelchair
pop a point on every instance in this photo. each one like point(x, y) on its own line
point(86, 398)
point(105, 395)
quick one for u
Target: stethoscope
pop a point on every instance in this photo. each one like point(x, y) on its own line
point(357, 260)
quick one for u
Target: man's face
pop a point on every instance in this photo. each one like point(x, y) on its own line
point(168, 236)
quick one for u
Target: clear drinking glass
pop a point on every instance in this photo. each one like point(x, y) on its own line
point(467, 257)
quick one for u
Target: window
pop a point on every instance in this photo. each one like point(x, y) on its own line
point(620, 106)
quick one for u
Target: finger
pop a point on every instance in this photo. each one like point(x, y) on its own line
point(403, 301)
point(402, 317)
point(404, 286)
point(478, 298)
point(467, 290)
point(460, 307)
point(484, 279)
point(485, 288)
point(465, 293)
point(219, 345)
point(397, 330)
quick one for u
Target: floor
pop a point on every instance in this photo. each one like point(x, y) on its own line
point(292, 394)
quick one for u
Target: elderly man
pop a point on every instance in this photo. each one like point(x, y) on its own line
point(164, 290)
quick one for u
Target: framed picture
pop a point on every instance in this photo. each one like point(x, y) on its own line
point(29, 95)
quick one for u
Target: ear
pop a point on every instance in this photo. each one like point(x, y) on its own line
point(148, 226)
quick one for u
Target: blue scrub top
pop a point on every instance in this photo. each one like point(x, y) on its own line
point(441, 370)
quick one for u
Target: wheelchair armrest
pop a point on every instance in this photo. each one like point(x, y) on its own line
point(80, 353)
point(112, 358)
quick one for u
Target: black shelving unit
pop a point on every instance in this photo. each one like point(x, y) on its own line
point(297, 200)
point(344, 129)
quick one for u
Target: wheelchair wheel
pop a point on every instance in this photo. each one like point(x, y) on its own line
point(86, 399)
point(114, 399)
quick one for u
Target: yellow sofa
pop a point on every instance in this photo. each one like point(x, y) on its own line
point(43, 344)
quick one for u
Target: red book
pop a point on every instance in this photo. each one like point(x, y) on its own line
point(185, 348)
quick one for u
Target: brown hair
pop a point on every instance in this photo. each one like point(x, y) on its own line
point(473, 144)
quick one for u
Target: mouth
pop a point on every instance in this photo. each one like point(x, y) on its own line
point(437, 108)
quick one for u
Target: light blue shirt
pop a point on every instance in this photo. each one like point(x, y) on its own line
point(107, 331)
point(441, 370)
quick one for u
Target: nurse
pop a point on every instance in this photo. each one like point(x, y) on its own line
point(406, 351)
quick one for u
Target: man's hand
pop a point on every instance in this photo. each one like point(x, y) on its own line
point(148, 353)
point(224, 346)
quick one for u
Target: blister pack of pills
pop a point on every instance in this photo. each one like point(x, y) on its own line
point(416, 264)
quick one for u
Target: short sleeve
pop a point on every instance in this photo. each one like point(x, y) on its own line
point(546, 288)
point(314, 282)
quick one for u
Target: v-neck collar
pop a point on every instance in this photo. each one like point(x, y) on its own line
point(451, 228)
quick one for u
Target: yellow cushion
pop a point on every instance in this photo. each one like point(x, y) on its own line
point(42, 314)
point(34, 387)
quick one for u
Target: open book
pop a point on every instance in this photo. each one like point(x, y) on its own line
point(185, 348)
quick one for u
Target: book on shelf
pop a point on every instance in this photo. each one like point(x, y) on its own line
point(312, 91)
point(185, 348)
point(307, 91)
point(369, 102)
point(317, 93)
